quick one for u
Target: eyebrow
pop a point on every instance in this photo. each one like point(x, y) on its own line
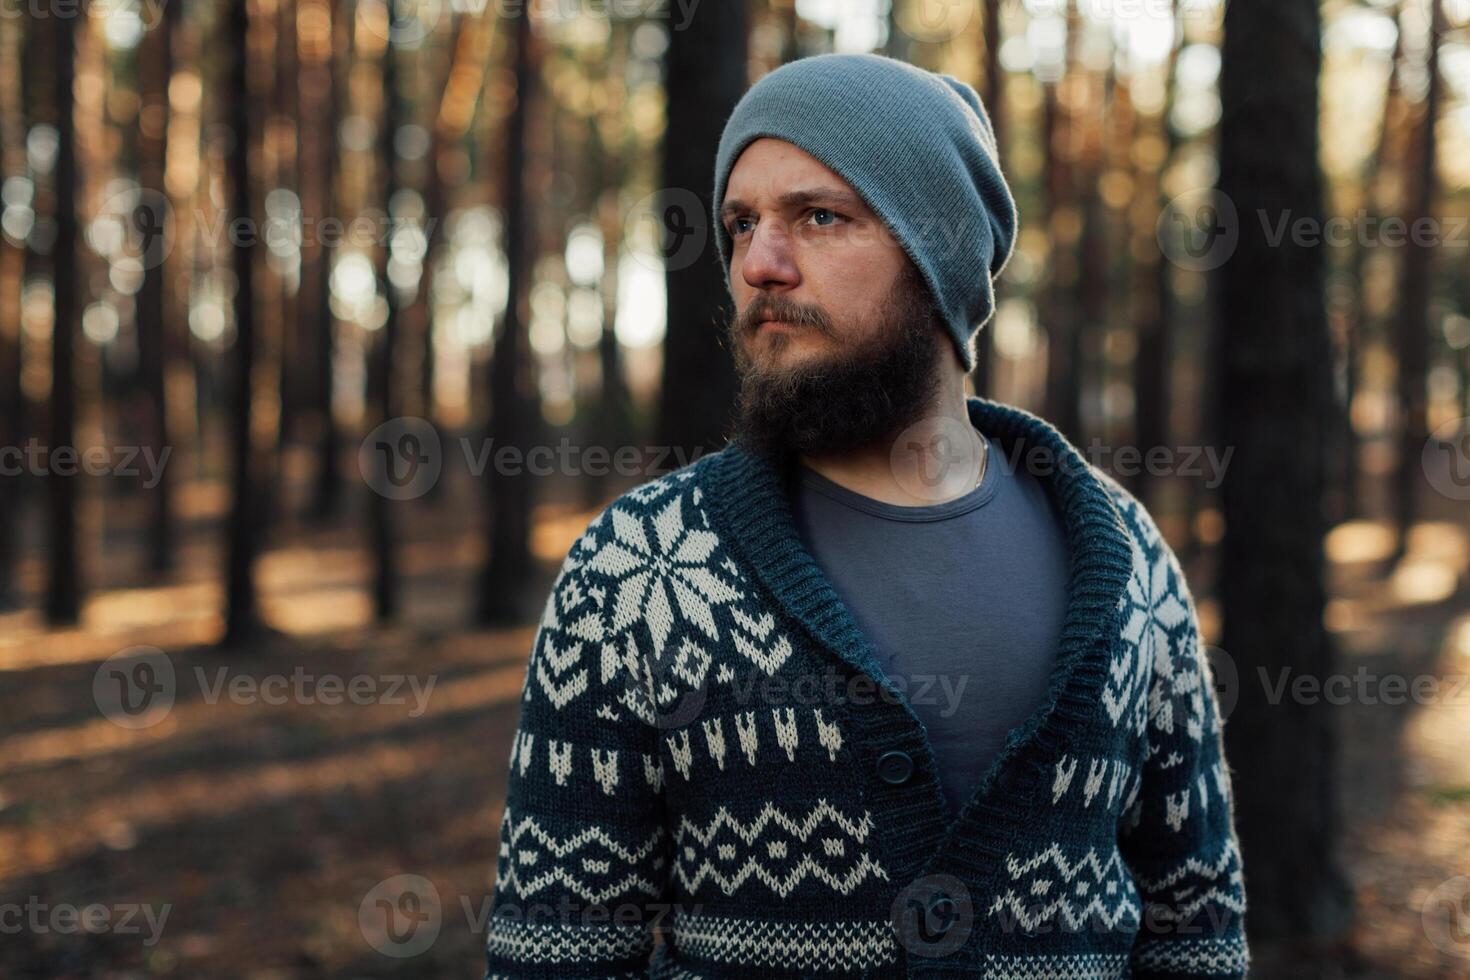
point(791, 199)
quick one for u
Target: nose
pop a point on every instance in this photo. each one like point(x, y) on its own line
point(768, 262)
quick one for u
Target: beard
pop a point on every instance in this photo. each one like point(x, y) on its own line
point(867, 391)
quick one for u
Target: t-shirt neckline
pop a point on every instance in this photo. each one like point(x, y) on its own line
point(918, 514)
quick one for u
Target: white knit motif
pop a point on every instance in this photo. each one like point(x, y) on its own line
point(769, 736)
point(1125, 695)
point(1158, 683)
point(776, 848)
point(1196, 882)
point(1202, 957)
point(1077, 966)
point(642, 601)
point(1103, 780)
point(592, 864)
point(829, 946)
point(536, 942)
point(1085, 892)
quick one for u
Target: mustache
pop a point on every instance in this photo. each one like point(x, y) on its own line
point(772, 308)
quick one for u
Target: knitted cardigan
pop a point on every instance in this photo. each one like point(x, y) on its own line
point(712, 776)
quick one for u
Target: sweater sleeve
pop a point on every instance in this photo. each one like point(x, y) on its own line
point(1178, 835)
point(582, 870)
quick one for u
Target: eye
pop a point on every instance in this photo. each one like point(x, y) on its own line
point(827, 211)
point(734, 227)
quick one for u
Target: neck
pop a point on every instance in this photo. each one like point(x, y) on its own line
point(936, 460)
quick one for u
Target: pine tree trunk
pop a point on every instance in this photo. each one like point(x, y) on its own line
point(1416, 282)
point(1058, 316)
point(983, 375)
point(503, 584)
point(614, 420)
point(63, 574)
point(244, 524)
point(316, 318)
point(13, 407)
point(705, 76)
point(1151, 367)
point(1275, 414)
point(1357, 328)
point(381, 383)
point(155, 69)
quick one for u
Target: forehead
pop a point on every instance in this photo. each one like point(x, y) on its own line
point(769, 165)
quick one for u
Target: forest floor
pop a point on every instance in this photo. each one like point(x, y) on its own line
point(235, 832)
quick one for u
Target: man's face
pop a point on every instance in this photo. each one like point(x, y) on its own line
point(807, 254)
point(835, 335)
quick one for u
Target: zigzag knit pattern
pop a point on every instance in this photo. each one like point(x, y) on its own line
point(697, 789)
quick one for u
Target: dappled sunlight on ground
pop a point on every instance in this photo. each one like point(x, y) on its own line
point(265, 801)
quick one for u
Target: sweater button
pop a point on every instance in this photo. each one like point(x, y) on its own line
point(895, 767)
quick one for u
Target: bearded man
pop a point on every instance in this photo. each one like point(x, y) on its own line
point(897, 683)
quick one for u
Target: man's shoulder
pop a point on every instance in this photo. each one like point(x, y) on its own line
point(656, 493)
point(1136, 517)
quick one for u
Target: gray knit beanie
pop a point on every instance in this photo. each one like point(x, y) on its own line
point(916, 145)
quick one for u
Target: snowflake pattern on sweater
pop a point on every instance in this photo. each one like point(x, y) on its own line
point(712, 777)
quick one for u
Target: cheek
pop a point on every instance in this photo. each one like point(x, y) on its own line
point(853, 285)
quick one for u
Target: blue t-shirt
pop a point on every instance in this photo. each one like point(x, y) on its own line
point(962, 601)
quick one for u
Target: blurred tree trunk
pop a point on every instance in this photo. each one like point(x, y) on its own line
point(63, 579)
point(1417, 280)
point(1058, 317)
point(381, 387)
point(317, 320)
point(705, 75)
point(983, 375)
point(614, 421)
point(1357, 326)
point(288, 116)
point(13, 413)
point(898, 45)
point(436, 209)
point(1275, 411)
point(503, 585)
point(155, 70)
point(790, 31)
point(244, 521)
point(1086, 356)
point(1151, 366)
